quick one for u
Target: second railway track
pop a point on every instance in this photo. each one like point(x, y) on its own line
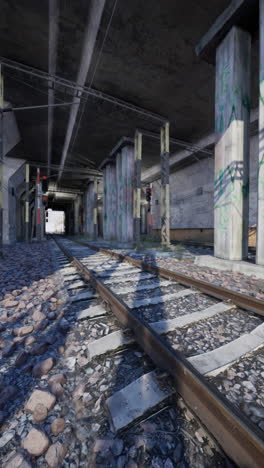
point(186, 331)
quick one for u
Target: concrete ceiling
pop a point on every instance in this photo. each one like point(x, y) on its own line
point(148, 59)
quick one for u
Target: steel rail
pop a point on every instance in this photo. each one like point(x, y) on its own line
point(239, 438)
point(240, 300)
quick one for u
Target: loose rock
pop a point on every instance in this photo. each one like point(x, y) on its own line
point(36, 443)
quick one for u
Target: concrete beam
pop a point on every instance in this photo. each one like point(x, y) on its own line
point(53, 45)
point(93, 24)
point(241, 13)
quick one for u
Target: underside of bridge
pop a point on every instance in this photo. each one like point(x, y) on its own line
point(139, 120)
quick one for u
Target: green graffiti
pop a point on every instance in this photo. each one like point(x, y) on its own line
point(223, 217)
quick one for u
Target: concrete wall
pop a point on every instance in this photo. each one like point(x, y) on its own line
point(192, 197)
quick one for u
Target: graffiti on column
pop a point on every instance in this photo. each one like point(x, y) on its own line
point(229, 191)
point(228, 97)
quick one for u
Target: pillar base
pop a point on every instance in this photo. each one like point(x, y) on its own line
point(243, 267)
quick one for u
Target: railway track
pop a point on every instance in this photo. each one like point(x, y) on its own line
point(165, 317)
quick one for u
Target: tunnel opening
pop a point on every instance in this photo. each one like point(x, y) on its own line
point(55, 221)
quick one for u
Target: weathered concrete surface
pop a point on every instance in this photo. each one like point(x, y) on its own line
point(76, 284)
point(118, 339)
point(161, 299)
point(134, 277)
point(214, 361)
point(232, 112)
point(121, 272)
point(83, 296)
point(130, 403)
point(143, 287)
point(246, 268)
point(91, 312)
point(108, 343)
point(164, 326)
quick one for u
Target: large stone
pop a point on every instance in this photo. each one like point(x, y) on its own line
point(43, 367)
point(38, 316)
point(29, 340)
point(40, 413)
point(55, 454)
point(58, 378)
point(9, 303)
point(23, 331)
point(56, 389)
point(57, 426)
point(36, 443)
point(40, 397)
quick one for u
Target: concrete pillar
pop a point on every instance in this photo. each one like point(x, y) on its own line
point(90, 210)
point(143, 218)
point(27, 223)
point(76, 214)
point(95, 209)
point(232, 112)
point(128, 169)
point(119, 188)
point(39, 207)
point(104, 204)
point(137, 188)
point(85, 212)
point(260, 219)
point(124, 194)
point(165, 185)
point(112, 201)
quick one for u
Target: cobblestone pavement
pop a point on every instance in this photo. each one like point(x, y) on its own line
point(52, 398)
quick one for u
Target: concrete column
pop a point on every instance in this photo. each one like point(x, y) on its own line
point(137, 189)
point(104, 204)
point(165, 185)
point(90, 226)
point(112, 200)
point(232, 112)
point(39, 210)
point(107, 204)
point(95, 209)
point(85, 212)
point(124, 193)
point(143, 219)
point(128, 169)
point(27, 224)
point(119, 189)
point(260, 219)
point(76, 214)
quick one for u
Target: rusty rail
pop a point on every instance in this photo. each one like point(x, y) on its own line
point(239, 438)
